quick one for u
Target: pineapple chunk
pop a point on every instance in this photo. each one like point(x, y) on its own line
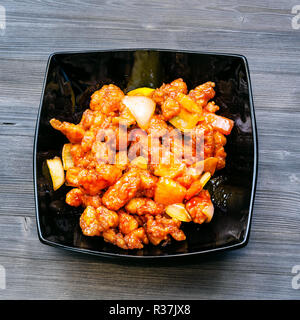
point(144, 91)
point(185, 120)
point(188, 103)
point(169, 170)
point(140, 162)
point(169, 191)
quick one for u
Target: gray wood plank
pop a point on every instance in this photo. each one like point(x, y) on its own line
point(262, 31)
point(251, 275)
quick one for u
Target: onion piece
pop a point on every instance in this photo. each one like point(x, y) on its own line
point(178, 211)
point(205, 178)
point(209, 212)
point(56, 172)
point(67, 156)
point(144, 91)
point(142, 109)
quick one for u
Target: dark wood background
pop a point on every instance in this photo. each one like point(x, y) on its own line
point(260, 30)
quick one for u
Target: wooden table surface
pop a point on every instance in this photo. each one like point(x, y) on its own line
point(260, 30)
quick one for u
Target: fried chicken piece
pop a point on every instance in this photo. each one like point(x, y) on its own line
point(169, 90)
point(109, 172)
point(213, 144)
point(94, 221)
point(170, 108)
point(158, 228)
point(89, 222)
point(82, 159)
point(125, 116)
point(209, 141)
point(132, 240)
point(219, 152)
point(148, 183)
point(136, 238)
point(87, 119)
point(127, 223)
point(92, 119)
point(94, 180)
point(122, 141)
point(94, 201)
point(76, 197)
point(141, 220)
point(200, 207)
point(72, 176)
point(185, 180)
point(203, 93)
point(104, 143)
point(221, 155)
point(173, 227)
point(107, 218)
point(219, 138)
point(211, 107)
point(142, 206)
point(107, 99)
point(138, 140)
point(114, 237)
point(101, 152)
point(74, 132)
point(188, 148)
point(88, 140)
point(121, 160)
point(177, 145)
point(123, 190)
point(91, 182)
point(157, 126)
point(77, 153)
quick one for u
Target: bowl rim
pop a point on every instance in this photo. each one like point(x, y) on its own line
point(150, 257)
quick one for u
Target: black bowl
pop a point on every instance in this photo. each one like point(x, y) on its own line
point(70, 79)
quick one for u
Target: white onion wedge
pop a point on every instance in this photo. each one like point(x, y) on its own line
point(205, 178)
point(178, 212)
point(142, 109)
point(57, 172)
point(209, 212)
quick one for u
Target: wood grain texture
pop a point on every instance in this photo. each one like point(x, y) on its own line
point(261, 30)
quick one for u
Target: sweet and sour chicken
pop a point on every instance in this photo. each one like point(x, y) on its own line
point(138, 162)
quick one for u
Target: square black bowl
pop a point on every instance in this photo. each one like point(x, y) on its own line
point(70, 79)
